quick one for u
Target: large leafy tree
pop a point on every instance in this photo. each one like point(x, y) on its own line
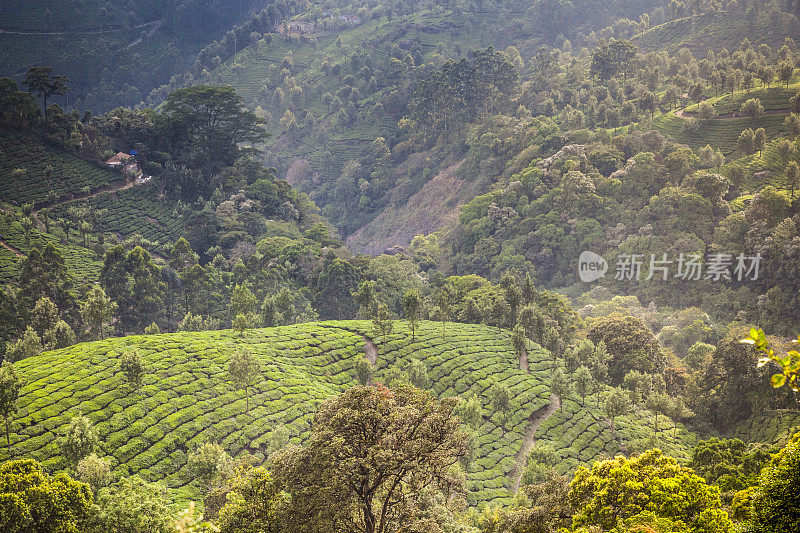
point(31, 501)
point(371, 452)
point(461, 91)
point(336, 284)
point(206, 124)
point(43, 273)
point(133, 280)
point(97, 311)
point(133, 506)
point(612, 59)
point(775, 508)
point(251, 503)
point(651, 483)
point(41, 82)
point(631, 344)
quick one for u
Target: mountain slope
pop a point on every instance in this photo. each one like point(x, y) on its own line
point(186, 399)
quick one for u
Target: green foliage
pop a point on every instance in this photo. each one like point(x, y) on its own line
point(469, 410)
point(209, 123)
point(94, 471)
point(789, 364)
point(79, 440)
point(33, 501)
point(244, 370)
point(612, 59)
point(560, 385)
point(418, 374)
point(584, 382)
point(29, 345)
point(631, 344)
point(773, 504)
point(208, 461)
point(729, 463)
point(252, 504)
point(364, 370)
point(132, 505)
point(412, 305)
point(370, 449)
point(617, 403)
point(623, 488)
point(132, 367)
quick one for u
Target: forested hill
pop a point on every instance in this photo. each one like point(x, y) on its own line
point(126, 53)
point(357, 123)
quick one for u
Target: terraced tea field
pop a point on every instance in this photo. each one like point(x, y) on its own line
point(134, 210)
point(768, 427)
point(186, 399)
point(720, 133)
point(30, 170)
point(83, 264)
point(714, 31)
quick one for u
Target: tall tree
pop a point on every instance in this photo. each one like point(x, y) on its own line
point(412, 305)
point(41, 82)
point(97, 311)
point(133, 280)
point(584, 382)
point(617, 404)
point(612, 59)
point(10, 385)
point(560, 386)
point(444, 301)
point(372, 450)
point(243, 370)
point(335, 287)
point(383, 322)
point(43, 273)
point(206, 124)
point(501, 400)
point(366, 299)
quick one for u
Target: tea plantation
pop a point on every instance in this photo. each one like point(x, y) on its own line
point(31, 170)
point(81, 262)
point(186, 398)
point(133, 210)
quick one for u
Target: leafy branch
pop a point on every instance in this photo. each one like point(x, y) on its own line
point(789, 363)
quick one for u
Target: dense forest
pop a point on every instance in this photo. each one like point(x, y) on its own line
point(459, 267)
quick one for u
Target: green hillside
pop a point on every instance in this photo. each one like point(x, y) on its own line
point(714, 31)
point(31, 170)
point(82, 263)
point(186, 399)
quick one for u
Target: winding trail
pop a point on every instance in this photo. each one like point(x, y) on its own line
point(681, 113)
point(370, 350)
point(535, 420)
point(154, 23)
point(523, 361)
point(114, 186)
point(11, 249)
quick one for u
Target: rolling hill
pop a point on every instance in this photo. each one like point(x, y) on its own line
point(186, 399)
